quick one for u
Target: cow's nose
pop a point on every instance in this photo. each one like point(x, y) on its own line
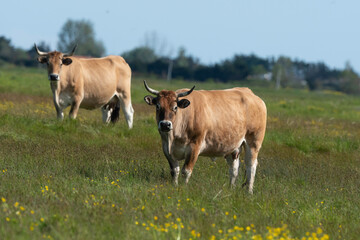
point(54, 77)
point(165, 126)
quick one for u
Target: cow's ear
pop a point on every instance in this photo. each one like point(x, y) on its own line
point(67, 61)
point(149, 99)
point(42, 59)
point(183, 103)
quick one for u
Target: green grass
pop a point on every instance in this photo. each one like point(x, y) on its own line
point(83, 180)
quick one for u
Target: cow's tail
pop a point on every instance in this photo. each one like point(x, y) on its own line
point(115, 113)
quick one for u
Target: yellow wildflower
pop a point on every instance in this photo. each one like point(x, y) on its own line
point(3, 200)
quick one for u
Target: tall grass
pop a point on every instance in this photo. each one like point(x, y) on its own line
point(84, 180)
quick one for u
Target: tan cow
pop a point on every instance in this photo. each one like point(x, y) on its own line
point(89, 83)
point(210, 123)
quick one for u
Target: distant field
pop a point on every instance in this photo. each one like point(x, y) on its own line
point(83, 180)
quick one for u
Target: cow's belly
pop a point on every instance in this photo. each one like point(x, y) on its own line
point(92, 102)
point(209, 147)
point(220, 148)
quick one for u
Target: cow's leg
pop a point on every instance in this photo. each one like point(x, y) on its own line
point(251, 153)
point(59, 111)
point(115, 110)
point(174, 164)
point(175, 170)
point(127, 109)
point(106, 113)
point(233, 161)
point(190, 160)
point(74, 108)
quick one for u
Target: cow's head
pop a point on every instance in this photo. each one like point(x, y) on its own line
point(167, 104)
point(54, 61)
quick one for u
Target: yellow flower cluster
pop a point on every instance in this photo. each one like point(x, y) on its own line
point(15, 212)
point(47, 192)
point(5, 105)
point(174, 225)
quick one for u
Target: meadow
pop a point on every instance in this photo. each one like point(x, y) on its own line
point(81, 179)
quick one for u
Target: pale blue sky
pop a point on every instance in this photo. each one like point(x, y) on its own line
point(310, 30)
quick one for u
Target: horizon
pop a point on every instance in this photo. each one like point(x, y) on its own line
point(211, 31)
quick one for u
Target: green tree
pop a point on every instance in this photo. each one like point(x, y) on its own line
point(11, 54)
point(6, 50)
point(350, 81)
point(139, 58)
point(80, 33)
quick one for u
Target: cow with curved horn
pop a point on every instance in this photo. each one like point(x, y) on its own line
point(216, 123)
point(89, 83)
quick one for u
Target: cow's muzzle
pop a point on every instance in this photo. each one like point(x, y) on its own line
point(165, 126)
point(54, 77)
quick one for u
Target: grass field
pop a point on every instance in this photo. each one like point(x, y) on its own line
point(83, 180)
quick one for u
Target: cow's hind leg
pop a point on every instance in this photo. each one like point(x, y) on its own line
point(106, 113)
point(110, 111)
point(115, 115)
point(233, 161)
point(251, 153)
point(128, 110)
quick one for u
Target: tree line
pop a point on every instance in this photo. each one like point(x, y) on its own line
point(281, 72)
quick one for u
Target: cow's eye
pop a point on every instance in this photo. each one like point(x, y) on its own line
point(175, 108)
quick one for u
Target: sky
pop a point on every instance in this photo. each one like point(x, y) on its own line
point(212, 30)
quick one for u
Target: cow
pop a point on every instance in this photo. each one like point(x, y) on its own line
point(89, 83)
point(215, 123)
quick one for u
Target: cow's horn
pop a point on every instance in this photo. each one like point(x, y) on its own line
point(183, 94)
point(150, 90)
point(72, 52)
point(40, 53)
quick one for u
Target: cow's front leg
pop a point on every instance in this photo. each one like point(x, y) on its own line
point(190, 160)
point(174, 168)
point(74, 108)
point(54, 85)
point(174, 164)
point(175, 171)
point(59, 112)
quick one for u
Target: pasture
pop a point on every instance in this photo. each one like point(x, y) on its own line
point(82, 179)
